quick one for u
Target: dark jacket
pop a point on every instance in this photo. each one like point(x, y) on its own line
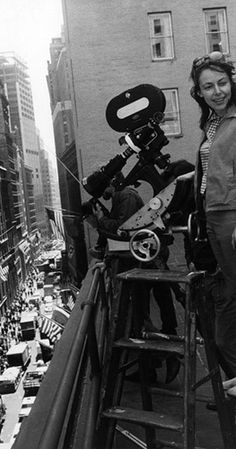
point(221, 175)
point(124, 204)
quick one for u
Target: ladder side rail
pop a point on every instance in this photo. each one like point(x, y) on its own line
point(146, 399)
point(111, 391)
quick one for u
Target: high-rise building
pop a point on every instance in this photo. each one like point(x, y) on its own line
point(15, 77)
point(60, 95)
point(14, 247)
point(49, 182)
point(68, 175)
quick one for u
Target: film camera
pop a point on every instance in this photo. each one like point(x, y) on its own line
point(137, 113)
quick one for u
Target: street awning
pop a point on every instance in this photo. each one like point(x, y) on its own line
point(4, 272)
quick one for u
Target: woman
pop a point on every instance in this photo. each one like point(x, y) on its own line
point(215, 180)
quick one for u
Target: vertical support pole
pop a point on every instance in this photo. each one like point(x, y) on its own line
point(112, 379)
point(189, 368)
point(225, 407)
point(146, 398)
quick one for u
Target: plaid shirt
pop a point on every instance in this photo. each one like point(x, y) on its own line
point(211, 128)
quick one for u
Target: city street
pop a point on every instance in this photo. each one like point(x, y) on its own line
point(13, 401)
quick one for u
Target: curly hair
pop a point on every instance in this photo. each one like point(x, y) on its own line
point(218, 66)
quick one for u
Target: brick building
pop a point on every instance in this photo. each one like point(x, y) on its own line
point(116, 45)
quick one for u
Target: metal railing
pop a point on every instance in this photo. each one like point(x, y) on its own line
point(65, 411)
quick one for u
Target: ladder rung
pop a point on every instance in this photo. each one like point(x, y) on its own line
point(150, 345)
point(144, 417)
point(139, 274)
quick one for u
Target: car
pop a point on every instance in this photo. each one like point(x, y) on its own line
point(23, 413)
point(28, 401)
point(40, 284)
point(33, 380)
point(48, 299)
point(48, 308)
point(10, 379)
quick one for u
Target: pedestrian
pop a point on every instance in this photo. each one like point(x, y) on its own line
point(214, 90)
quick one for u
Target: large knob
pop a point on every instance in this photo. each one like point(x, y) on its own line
point(144, 245)
point(155, 203)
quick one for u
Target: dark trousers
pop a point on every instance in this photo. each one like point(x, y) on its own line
point(141, 306)
point(220, 225)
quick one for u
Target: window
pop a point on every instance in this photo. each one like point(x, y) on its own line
point(161, 37)
point(171, 125)
point(216, 30)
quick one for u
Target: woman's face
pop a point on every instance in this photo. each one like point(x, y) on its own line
point(215, 88)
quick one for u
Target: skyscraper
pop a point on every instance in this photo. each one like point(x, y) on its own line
point(51, 194)
point(61, 107)
point(14, 75)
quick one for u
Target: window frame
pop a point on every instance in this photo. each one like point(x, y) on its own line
point(206, 12)
point(151, 17)
point(173, 90)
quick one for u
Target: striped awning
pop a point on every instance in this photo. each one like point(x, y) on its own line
point(4, 272)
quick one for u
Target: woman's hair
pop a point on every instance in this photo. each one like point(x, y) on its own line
point(218, 66)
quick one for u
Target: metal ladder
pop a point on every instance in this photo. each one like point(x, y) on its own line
point(120, 345)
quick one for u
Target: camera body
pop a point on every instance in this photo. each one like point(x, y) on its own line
point(137, 112)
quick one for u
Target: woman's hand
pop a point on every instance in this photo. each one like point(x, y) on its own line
point(191, 267)
point(234, 238)
point(98, 212)
point(186, 176)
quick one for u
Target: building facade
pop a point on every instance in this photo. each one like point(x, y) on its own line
point(114, 46)
point(13, 223)
point(62, 115)
point(49, 183)
point(14, 74)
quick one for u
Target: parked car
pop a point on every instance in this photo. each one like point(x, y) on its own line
point(28, 325)
point(48, 289)
point(33, 380)
point(10, 380)
point(28, 401)
point(40, 284)
point(48, 308)
point(48, 299)
point(19, 355)
point(23, 413)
